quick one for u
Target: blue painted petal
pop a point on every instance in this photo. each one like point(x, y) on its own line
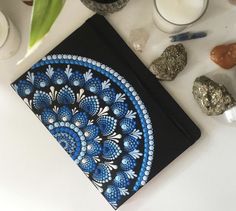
point(90, 105)
point(121, 180)
point(120, 109)
point(112, 194)
point(93, 148)
point(107, 125)
point(48, 116)
point(108, 96)
point(24, 88)
point(77, 79)
point(64, 114)
point(41, 80)
point(87, 164)
point(127, 163)
point(41, 100)
point(111, 150)
point(130, 143)
point(102, 173)
point(66, 96)
point(59, 77)
point(94, 85)
point(91, 132)
point(127, 125)
point(80, 119)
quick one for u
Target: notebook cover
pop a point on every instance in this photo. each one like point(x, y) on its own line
point(106, 109)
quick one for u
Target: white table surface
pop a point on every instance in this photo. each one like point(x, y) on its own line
point(37, 175)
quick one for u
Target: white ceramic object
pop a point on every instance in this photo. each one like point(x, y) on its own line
point(227, 79)
point(173, 16)
point(230, 115)
point(9, 38)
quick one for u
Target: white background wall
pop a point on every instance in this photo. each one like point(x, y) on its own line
point(37, 175)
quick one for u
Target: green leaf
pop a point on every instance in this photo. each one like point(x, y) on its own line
point(44, 14)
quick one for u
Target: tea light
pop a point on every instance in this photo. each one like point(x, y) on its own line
point(173, 16)
point(9, 37)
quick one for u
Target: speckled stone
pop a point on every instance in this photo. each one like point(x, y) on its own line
point(105, 8)
point(172, 61)
point(213, 98)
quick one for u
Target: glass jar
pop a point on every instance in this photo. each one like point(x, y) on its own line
point(105, 6)
point(9, 37)
point(173, 16)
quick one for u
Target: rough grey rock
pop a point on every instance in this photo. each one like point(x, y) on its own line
point(213, 98)
point(172, 61)
point(105, 8)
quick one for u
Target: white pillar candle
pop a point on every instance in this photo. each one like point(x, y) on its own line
point(9, 37)
point(175, 15)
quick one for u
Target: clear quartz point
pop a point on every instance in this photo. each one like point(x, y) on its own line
point(138, 38)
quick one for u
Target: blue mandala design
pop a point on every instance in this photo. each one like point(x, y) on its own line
point(97, 117)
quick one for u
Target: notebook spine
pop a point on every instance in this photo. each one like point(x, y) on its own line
point(167, 104)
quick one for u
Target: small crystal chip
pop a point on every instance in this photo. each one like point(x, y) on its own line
point(139, 38)
point(105, 7)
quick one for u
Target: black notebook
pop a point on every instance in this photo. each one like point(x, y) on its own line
point(107, 110)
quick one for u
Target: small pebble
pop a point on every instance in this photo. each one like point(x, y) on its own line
point(172, 61)
point(224, 55)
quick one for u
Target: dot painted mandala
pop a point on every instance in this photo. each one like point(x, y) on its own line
point(97, 117)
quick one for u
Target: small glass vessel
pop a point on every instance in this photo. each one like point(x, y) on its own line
point(9, 38)
point(105, 6)
point(173, 16)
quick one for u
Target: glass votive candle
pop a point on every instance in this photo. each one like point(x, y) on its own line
point(173, 16)
point(9, 37)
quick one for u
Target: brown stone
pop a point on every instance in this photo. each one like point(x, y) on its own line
point(224, 55)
